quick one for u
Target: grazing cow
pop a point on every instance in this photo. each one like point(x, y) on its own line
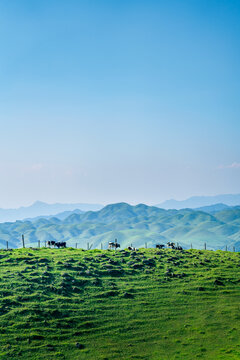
point(131, 248)
point(60, 244)
point(171, 245)
point(159, 246)
point(51, 243)
point(112, 245)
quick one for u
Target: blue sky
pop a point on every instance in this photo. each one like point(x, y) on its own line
point(107, 101)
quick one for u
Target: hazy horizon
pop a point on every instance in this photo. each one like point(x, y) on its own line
point(131, 101)
point(111, 203)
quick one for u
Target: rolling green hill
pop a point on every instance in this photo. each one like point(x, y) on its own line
point(130, 224)
point(72, 304)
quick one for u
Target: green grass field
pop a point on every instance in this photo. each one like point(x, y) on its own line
point(74, 304)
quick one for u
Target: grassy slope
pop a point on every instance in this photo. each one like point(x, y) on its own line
point(185, 305)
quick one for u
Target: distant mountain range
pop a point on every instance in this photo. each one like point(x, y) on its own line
point(200, 201)
point(61, 216)
point(43, 209)
point(212, 209)
point(138, 225)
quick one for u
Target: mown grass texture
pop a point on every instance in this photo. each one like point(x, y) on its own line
point(148, 304)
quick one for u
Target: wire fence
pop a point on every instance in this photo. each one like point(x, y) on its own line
point(104, 246)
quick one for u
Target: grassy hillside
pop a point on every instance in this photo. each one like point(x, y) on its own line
point(130, 224)
point(149, 304)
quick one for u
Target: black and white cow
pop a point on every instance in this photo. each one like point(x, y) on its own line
point(58, 244)
point(51, 243)
point(61, 244)
point(172, 246)
point(160, 246)
point(131, 248)
point(113, 245)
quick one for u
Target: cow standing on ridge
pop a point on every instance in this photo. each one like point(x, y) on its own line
point(160, 246)
point(113, 245)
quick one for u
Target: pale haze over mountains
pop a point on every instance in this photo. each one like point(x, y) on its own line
point(40, 208)
point(130, 225)
point(61, 211)
point(199, 201)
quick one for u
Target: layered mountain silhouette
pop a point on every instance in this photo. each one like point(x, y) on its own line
point(40, 208)
point(135, 225)
point(200, 201)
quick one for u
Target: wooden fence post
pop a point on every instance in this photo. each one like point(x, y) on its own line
point(45, 243)
point(23, 241)
point(101, 246)
point(39, 243)
point(88, 246)
point(76, 245)
point(226, 248)
point(145, 245)
point(205, 246)
point(7, 244)
point(191, 245)
point(233, 248)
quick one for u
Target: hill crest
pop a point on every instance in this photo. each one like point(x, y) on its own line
point(137, 224)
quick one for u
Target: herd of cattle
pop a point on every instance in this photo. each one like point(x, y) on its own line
point(114, 245)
